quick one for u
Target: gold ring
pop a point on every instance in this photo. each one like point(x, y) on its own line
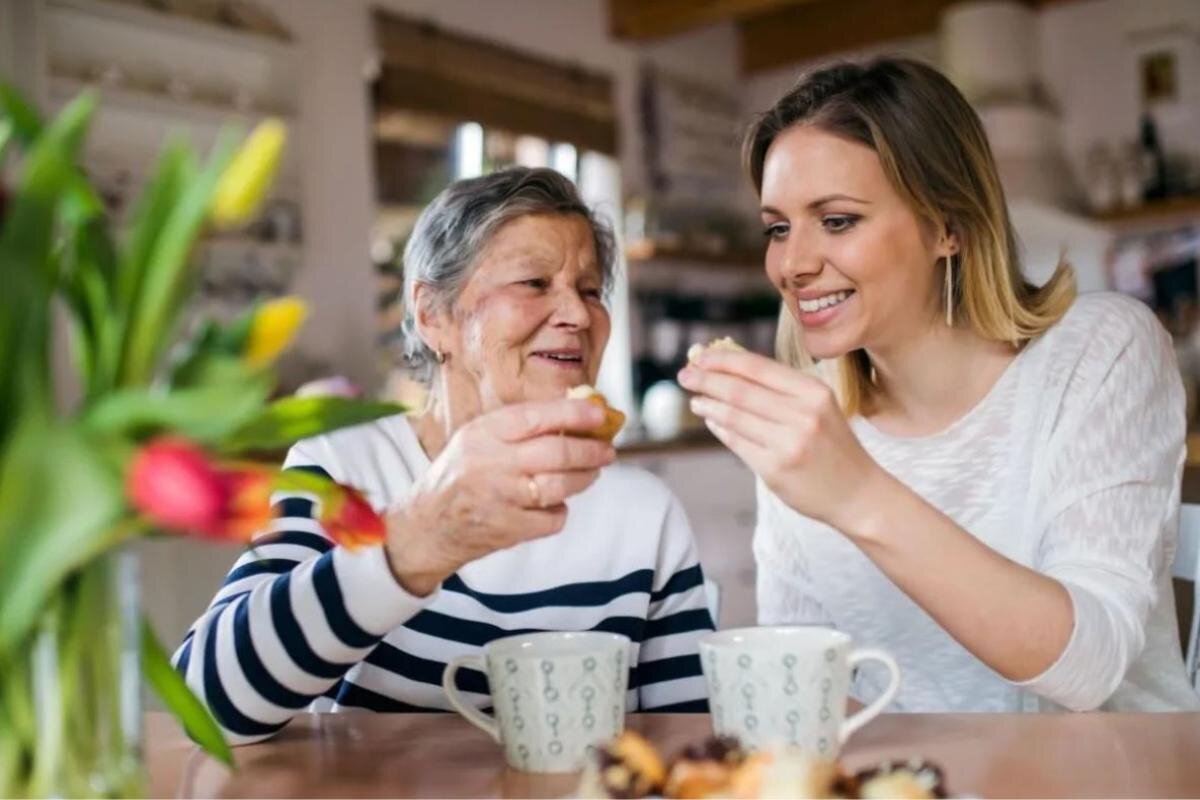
point(535, 494)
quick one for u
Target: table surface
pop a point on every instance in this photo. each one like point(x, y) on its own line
point(441, 755)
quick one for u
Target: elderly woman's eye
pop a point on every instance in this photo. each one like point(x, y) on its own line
point(592, 292)
point(536, 283)
point(838, 223)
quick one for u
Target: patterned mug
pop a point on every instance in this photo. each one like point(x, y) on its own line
point(788, 685)
point(555, 695)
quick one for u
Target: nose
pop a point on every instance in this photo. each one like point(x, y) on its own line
point(570, 310)
point(799, 259)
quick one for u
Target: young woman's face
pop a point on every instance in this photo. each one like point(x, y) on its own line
point(530, 322)
point(856, 267)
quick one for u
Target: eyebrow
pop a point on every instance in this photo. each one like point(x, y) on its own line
point(820, 201)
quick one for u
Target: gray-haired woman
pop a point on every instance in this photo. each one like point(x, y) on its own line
point(497, 522)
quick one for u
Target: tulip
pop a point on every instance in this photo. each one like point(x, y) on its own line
point(244, 183)
point(350, 521)
point(175, 486)
point(273, 328)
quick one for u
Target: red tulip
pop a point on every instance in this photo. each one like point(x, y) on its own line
point(173, 484)
point(350, 521)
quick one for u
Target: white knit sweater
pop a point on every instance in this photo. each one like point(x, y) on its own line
point(1071, 465)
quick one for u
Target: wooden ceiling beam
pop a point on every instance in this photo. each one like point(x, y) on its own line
point(653, 19)
point(811, 30)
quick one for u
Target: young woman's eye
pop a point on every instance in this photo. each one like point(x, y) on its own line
point(776, 230)
point(839, 223)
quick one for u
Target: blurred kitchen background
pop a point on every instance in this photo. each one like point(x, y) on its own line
point(1092, 107)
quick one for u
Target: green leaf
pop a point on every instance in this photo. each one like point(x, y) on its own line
point(155, 310)
point(47, 173)
point(60, 506)
point(293, 418)
point(6, 137)
point(178, 698)
point(89, 260)
point(204, 413)
point(27, 264)
point(26, 123)
point(175, 170)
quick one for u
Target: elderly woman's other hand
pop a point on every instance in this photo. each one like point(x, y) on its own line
point(502, 479)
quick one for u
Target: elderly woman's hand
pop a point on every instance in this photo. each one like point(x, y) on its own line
point(502, 479)
point(788, 428)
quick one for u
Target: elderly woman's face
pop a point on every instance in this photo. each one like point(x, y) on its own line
point(530, 322)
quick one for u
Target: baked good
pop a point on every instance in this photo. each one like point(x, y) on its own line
point(706, 769)
point(785, 773)
point(901, 779)
point(614, 420)
point(724, 343)
point(627, 767)
point(719, 767)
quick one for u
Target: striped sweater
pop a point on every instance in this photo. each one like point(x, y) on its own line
point(302, 624)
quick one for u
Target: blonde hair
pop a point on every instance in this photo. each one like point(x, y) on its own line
point(935, 153)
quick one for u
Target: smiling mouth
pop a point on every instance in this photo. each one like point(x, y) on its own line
point(561, 358)
point(827, 301)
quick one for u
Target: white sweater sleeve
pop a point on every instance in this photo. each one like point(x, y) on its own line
point(293, 615)
point(784, 591)
point(1111, 489)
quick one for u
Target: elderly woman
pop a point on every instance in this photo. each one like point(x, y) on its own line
point(498, 523)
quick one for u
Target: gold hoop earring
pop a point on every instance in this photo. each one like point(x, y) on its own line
point(949, 294)
point(439, 356)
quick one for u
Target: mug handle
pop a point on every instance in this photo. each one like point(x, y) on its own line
point(849, 726)
point(474, 716)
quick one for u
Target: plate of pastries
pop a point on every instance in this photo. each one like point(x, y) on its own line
point(630, 766)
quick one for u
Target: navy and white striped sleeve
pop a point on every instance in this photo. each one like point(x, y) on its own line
point(293, 615)
point(668, 672)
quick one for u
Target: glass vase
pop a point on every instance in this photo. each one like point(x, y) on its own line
point(70, 705)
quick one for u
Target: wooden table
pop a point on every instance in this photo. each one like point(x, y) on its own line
point(440, 755)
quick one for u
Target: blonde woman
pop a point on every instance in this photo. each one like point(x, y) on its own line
point(986, 482)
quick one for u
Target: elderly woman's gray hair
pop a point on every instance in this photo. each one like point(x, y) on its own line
point(454, 229)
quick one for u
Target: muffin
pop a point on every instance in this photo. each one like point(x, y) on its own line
point(614, 420)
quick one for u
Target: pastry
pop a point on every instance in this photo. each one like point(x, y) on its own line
point(901, 779)
point(613, 420)
point(724, 343)
point(786, 773)
point(705, 770)
point(627, 767)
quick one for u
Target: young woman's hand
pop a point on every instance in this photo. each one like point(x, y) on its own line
point(789, 429)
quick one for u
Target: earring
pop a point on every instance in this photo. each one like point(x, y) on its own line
point(439, 356)
point(949, 294)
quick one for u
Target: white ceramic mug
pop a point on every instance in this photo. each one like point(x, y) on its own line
point(787, 685)
point(555, 695)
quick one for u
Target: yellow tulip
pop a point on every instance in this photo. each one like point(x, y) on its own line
point(274, 326)
point(244, 183)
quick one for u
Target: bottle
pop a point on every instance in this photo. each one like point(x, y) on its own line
point(1155, 187)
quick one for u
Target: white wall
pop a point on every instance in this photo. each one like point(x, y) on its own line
point(1088, 67)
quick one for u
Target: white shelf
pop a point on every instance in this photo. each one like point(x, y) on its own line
point(66, 87)
point(176, 25)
